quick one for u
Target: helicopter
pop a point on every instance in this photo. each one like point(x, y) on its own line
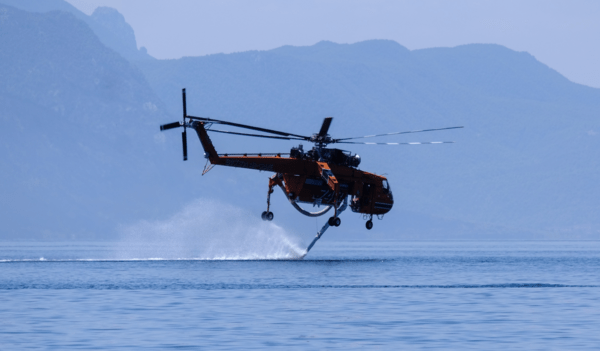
point(320, 176)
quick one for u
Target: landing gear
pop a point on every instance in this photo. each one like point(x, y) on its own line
point(369, 223)
point(267, 216)
point(334, 221)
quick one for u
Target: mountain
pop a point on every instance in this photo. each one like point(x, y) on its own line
point(81, 153)
point(78, 130)
point(525, 166)
point(106, 23)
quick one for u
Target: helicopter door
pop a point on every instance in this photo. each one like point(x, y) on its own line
point(365, 198)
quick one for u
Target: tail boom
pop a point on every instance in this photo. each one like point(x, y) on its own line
point(207, 144)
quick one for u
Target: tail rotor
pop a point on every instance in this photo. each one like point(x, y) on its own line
point(184, 133)
point(180, 124)
point(184, 143)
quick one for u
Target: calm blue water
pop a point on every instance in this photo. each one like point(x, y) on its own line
point(344, 295)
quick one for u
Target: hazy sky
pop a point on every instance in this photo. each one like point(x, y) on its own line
point(565, 35)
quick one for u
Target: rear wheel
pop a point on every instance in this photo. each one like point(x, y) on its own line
point(264, 215)
point(369, 224)
point(334, 221)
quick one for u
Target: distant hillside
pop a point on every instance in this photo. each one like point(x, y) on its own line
point(107, 23)
point(78, 127)
point(81, 153)
point(525, 166)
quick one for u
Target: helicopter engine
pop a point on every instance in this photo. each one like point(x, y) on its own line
point(332, 156)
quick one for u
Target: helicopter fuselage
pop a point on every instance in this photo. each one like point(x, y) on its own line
point(320, 176)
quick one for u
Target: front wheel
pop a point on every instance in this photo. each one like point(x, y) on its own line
point(264, 215)
point(269, 216)
point(369, 224)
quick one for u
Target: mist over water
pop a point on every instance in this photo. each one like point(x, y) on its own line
point(210, 230)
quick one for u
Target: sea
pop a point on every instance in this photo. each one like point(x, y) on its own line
point(367, 295)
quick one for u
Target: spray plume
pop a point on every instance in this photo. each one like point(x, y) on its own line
point(211, 230)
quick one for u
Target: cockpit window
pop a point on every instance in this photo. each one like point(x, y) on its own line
point(386, 186)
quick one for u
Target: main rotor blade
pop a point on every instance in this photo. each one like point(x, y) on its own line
point(253, 135)
point(216, 121)
point(325, 126)
point(396, 133)
point(412, 143)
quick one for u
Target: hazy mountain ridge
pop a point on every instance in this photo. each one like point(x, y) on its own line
point(78, 127)
point(524, 164)
point(107, 23)
point(81, 151)
point(494, 72)
point(62, 62)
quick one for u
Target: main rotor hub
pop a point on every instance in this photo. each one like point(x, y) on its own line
point(321, 140)
point(332, 156)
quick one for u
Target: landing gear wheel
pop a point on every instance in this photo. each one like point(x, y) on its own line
point(269, 216)
point(369, 224)
point(264, 215)
point(334, 221)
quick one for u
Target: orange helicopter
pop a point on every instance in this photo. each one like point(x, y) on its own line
point(320, 176)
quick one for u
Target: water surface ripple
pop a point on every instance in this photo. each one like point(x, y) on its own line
point(345, 295)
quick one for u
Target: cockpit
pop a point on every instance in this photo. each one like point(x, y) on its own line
point(386, 188)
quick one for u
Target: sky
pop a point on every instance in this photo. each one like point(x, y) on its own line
point(564, 35)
